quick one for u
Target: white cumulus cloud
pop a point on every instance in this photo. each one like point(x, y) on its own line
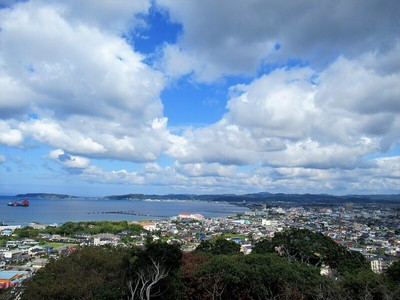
point(88, 91)
point(69, 161)
point(303, 118)
point(237, 37)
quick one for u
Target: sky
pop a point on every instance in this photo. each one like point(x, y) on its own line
point(202, 97)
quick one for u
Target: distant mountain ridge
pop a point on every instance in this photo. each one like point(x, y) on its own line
point(262, 197)
point(45, 196)
point(234, 198)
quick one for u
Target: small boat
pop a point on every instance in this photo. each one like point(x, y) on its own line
point(24, 202)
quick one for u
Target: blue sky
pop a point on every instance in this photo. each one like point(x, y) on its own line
point(169, 96)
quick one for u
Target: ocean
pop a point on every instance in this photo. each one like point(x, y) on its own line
point(59, 211)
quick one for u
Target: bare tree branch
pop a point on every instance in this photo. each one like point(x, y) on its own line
point(147, 278)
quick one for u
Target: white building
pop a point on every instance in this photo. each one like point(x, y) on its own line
point(105, 239)
point(191, 216)
point(150, 226)
point(377, 265)
point(246, 249)
point(12, 254)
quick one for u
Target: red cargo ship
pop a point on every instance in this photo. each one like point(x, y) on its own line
point(24, 202)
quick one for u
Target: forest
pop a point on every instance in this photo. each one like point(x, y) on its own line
point(286, 266)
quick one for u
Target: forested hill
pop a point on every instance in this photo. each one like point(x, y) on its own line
point(263, 197)
point(45, 196)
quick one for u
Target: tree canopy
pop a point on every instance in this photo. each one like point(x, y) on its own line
point(314, 248)
point(218, 246)
point(284, 267)
point(88, 273)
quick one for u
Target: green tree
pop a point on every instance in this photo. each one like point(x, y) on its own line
point(154, 272)
point(364, 284)
point(393, 276)
point(88, 273)
point(264, 246)
point(217, 275)
point(257, 276)
point(305, 246)
point(72, 228)
point(393, 272)
point(218, 247)
point(27, 232)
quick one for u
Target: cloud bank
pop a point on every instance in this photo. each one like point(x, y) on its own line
point(314, 105)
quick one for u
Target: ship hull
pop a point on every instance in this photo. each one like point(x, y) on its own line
point(23, 203)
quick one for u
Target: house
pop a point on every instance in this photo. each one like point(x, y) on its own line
point(12, 244)
point(24, 248)
point(246, 249)
point(187, 216)
point(39, 263)
point(64, 250)
point(49, 249)
point(250, 213)
point(56, 237)
point(6, 232)
point(12, 254)
point(9, 227)
point(36, 251)
point(380, 264)
point(46, 236)
point(184, 216)
point(30, 242)
point(326, 270)
point(105, 239)
point(150, 226)
point(377, 265)
point(236, 240)
point(10, 278)
point(39, 226)
point(198, 217)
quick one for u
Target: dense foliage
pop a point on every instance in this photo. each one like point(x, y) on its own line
point(254, 277)
point(216, 270)
point(73, 228)
point(218, 247)
point(89, 273)
point(313, 248)
point(153, 272)
point(393, 272)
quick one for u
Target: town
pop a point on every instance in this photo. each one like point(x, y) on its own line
point(371, 229)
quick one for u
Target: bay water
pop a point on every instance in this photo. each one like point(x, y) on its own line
point(59, 211)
